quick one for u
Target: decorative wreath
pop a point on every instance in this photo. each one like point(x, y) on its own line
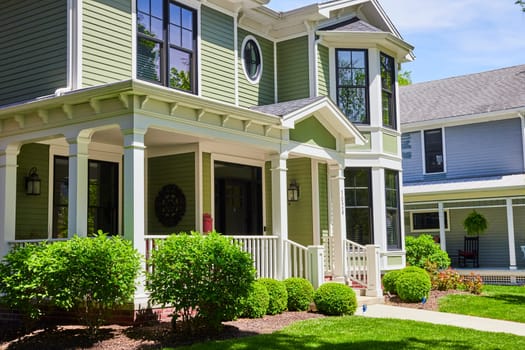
point(170, 205)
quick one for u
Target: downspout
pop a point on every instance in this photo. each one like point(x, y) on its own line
point(73, 70)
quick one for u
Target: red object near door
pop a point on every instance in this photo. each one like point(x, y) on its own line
point(207, 223)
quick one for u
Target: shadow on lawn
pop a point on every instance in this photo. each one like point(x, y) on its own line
point(289, 342)
point(512, 299)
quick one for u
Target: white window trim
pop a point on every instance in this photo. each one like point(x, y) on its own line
point(259, 74)
point(446, 213)
point(424, 151)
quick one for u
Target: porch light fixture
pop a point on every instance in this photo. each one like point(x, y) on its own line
point(293, 192)
point(33, 183)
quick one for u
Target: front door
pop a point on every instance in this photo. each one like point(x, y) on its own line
point(238, 199)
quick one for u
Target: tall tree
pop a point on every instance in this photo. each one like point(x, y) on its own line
point(521, 3)
point(404, 77)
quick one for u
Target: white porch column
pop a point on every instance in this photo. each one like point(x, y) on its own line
point(8, 165)
point(134, 198)
point(379, 208)
point(512, 241)
point(441, 216)
point(280, 212)
point(337, 191)
point(78, 186)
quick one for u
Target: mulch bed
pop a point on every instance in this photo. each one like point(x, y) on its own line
point(115, 337)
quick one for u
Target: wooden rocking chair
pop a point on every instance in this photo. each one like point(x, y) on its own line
point(470, 252)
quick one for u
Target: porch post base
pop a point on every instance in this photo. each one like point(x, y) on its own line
point(513, 267)
point(374, 292)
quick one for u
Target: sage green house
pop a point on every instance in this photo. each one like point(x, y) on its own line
point(150, 117)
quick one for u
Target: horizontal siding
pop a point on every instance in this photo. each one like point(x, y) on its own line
point(292, 69)
point(323, 197)
point(323, 71)
point(33, 49)
point(178, 170)
point(474, 150)
point(411, 149)
point(107, 41)
point(484, 149)
point(217, 56)
point(261, 93)
point(32, 211)
point(300, 221)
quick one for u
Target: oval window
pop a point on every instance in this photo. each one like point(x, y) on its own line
point(252, 61)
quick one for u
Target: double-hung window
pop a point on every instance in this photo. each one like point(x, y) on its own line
point(393, 227)
point(352, 84)
point(434, 157)
point(358, 197)
point(166, 44)
point(388, 86)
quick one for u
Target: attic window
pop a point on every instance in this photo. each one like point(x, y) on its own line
point(252, 59)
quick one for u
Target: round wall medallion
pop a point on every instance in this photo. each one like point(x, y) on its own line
point(170, 205)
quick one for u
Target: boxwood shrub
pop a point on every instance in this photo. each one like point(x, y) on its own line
point(412, 287)
point(335, 299)
point(300, 293)
point(256, 304)
point(278, 295)
point(390, 279)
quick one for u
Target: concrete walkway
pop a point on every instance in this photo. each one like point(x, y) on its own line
point(479, 323)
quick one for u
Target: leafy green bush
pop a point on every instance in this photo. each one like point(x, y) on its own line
point(22, 281)
point(278, 295)
point(422, 249)
point(335, 299)
point(256, 304)
point(205, 277)
point(91, 274)
point(413, 286)
point(300, 293)
point(390, 279)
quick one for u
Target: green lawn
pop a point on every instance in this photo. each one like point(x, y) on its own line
point(499, 302)
point(354, 332)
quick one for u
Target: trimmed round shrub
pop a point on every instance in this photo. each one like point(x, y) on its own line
point(423, 249)
point(278, 295)
point(300, 293)
point(390, 279)
point(412, 287)
point(256, 304)
point(415, 269)
point(335, 299)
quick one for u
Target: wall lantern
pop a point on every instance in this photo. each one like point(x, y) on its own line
point(33, 183)
point(293, 192)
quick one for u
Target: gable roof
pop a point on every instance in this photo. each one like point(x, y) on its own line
point(501, 90)
point(292, 112)
point(352, 25)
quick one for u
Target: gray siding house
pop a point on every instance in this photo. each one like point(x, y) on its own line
point(463, 150)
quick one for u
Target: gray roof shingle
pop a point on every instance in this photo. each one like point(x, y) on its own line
point(284, 108)
point(490, 91)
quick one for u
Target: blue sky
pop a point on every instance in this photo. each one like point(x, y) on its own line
point(452, 37)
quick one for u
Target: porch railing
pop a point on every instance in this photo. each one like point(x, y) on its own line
point(263, 250)
point(356, 262)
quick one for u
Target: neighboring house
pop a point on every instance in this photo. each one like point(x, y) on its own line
point(150, 117)
point(463, 149)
